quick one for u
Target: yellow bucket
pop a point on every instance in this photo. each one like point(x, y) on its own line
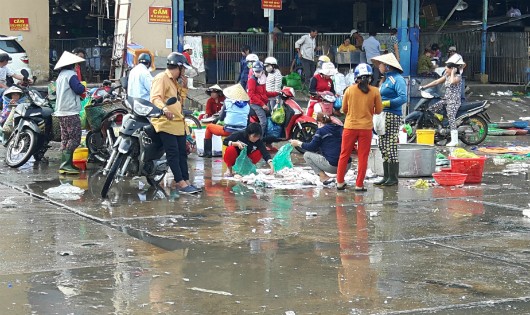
point(80, 154)
point(425, 136)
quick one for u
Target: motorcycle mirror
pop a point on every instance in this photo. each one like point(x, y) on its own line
point(171, 101)
point(25, 74)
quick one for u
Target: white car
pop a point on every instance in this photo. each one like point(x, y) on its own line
point(20, 60)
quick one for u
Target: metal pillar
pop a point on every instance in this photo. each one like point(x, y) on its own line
point(177, 36)
point(484, 35)
point(271, 35)
point(403, 36)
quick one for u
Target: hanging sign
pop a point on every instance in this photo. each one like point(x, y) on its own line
point(271, 4)
point(18, 24)
point(161, 15)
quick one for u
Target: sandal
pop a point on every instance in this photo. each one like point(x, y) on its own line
point(328, 181)
point(343, 187)
point(360, 189)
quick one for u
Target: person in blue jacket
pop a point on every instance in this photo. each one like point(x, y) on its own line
point(247, 57)
point(393, 91)
point(327, 140)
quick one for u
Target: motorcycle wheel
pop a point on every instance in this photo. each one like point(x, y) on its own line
point(93, 147)
point(305, 134)
point(112, 174)
point(17, 154)
point(475, 132)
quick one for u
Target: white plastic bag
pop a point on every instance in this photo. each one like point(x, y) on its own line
point(379, 123)
point(350, 78)
point(339, 81)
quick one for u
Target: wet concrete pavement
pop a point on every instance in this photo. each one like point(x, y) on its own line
point(237, 249)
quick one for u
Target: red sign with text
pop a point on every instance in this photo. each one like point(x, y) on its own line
point(160, 15)
point(18, 24)
point(271, 4)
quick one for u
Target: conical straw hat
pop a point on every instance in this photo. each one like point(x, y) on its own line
point(389, 59)
point(67, 58)
point(236, 92)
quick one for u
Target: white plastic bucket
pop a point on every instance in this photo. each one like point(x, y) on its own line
point(217, 143)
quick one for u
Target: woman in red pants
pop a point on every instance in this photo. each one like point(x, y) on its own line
point(359, 103)
point(250, 138)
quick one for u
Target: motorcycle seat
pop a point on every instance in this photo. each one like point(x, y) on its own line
point(471, 105)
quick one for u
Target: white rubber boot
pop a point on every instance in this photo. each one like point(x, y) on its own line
point(190, 84)
point(454, 139)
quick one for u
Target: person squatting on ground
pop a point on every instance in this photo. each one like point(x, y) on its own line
point(393, 91)
point(67, 108)
point(259, 97)
point(246, 64)
point(172, 126)
point(321, 82)
point(250, 138)
point(306, 47)
point(360, 102)
point(234, 115)
point(453, 94)
point(140, 78)
point(327, 140)
point(215, 102)
point(274, 80)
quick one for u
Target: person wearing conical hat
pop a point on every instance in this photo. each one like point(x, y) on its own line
point(67, 108)
point(234, 115)
point(215, 102)
point(393, 91)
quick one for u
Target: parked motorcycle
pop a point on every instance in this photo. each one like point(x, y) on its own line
point(138, 150)
point(32, 122)
point(104, 114)
point(325, 104)
point(471, 119)
point(296, 125)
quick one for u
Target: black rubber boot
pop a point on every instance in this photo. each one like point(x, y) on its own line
point(393, 172)
point(385, 176)
point(207, 148)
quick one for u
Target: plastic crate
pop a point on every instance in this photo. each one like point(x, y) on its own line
point(449, 179)
point(473, 167)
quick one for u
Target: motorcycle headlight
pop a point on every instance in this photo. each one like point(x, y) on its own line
point(141, 109)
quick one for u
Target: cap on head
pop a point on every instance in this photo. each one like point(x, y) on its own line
point(4, 57)
point(186, 47)
point(452, 49)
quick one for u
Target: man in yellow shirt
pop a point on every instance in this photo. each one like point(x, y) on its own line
point(171, 127)
point(347, 46)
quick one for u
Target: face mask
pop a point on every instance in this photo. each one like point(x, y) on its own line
point(269, 68)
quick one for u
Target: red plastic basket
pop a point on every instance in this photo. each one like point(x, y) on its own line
point(473, 167)
point(449, 179)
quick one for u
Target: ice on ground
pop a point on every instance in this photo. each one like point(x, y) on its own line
point(65, 192)
point(287, 178)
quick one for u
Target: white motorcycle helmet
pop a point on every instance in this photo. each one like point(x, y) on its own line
point(455, 59)
point(251, 58)
point(270, 61)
